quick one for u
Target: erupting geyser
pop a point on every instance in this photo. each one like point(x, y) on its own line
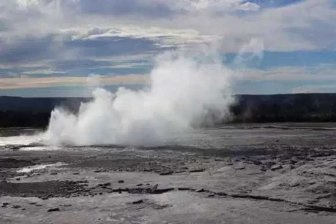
point(182, 90)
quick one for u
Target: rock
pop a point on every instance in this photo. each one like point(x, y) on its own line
point(288, 167)
point(168, 172)
point(137, 202)
point(44, 197)
point(263, 168)
point(239, 166)
point(121, 181)
point(269, 164)
point(256, 162)
point(184, 189)
point(5, 204)
point(106, 184)
point(154, 188)
point(162, 190)
point(197, 170)
point(293, 161)
point(276, 167)
point(54, 210)
point(53, 173)
point(16, 206)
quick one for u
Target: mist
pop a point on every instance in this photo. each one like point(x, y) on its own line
point(183, 88)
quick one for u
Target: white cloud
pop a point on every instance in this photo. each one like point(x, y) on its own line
point(27, 3)
point(51, 31)
point(302, 74)
point(301, 26)
point(214, 5)
point(315, 89)
point(41, 82)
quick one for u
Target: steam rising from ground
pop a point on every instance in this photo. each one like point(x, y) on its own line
point(183, 89)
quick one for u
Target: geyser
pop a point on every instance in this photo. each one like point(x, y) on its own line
point(182, 89)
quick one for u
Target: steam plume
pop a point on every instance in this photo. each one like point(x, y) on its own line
point(183, 88)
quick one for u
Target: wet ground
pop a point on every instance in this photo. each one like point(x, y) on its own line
point(274, 173)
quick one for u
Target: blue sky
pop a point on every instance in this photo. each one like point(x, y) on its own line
point(54, 47)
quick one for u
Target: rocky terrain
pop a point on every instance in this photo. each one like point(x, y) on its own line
point(239, 174)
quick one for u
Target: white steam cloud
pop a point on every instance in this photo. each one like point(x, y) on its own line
point(183, 89)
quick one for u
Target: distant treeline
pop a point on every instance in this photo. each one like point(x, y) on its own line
point(285, 108)
point(35, 112)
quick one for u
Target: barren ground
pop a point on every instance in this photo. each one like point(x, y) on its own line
point(274, 173)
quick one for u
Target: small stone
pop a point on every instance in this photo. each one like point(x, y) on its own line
point(5, 204)
point(269, 164)
point(169, 172)
point(121, 181)
point(276, 167)
point(184, 189)
point(239, 166)
point(16, 206)
point(106, 184)
point(197, 170)
point(256, 162)
point(293, 161)
point(288, 166)
point(54, 210)
point(137, 202)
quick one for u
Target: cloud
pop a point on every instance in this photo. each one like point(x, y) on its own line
point(315, 89)
point(40, 82)
point(79, 37)
point(321, 73)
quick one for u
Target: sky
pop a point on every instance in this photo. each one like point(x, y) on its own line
point(62, 47)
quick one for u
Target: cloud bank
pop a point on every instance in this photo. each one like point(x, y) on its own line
point(79, 37)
